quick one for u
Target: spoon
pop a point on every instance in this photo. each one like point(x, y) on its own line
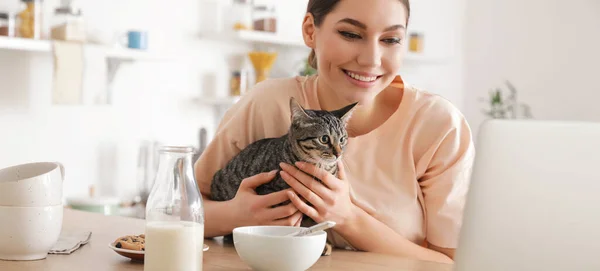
point(319, 227)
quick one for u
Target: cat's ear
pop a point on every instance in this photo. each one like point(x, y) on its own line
point(345, 112)
point(297, 111)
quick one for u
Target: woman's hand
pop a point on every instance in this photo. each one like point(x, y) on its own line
point(252, 209)
point(330, 200)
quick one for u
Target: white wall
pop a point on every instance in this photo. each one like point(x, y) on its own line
point(442, 22)
point(99, 144)
point(547, 48)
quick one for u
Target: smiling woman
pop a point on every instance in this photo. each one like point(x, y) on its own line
point(359, 50)
point(404, 173)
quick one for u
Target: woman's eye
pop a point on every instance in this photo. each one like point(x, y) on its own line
point(349, 35)
point(324, 139)
point(392, 41)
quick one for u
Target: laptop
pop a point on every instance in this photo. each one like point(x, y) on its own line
point(534, 198)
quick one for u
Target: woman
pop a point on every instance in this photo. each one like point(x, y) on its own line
point(405, 171)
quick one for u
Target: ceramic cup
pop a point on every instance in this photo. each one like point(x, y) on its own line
point(28, 233)
point(137, 40)
point(32, 185)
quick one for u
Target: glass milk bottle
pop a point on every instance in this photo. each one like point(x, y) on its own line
point(174, 215)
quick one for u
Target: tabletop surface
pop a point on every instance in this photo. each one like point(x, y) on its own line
point(96, 255)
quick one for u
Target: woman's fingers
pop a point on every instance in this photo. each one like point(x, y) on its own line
point(274, 198)
point(280, 212)
point(308, 181)
point(329, 180)
point(288, 221)
point(302, 190)
point(303, 207)
point(299, 222)
point(258, 179)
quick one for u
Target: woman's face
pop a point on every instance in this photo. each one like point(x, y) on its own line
point(359, 47)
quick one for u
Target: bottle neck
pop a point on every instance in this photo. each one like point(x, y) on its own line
point(174, 193)
point(172, 168)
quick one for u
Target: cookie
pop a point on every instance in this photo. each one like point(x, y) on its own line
point(131, 242)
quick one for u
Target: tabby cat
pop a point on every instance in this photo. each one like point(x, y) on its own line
point(315, 136)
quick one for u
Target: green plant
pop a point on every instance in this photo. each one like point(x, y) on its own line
point(307, 69)
point(506, 106)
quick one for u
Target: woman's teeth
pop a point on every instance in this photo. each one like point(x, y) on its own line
point(360, 77)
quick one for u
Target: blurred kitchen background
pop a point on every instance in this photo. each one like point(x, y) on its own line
point(97, 85)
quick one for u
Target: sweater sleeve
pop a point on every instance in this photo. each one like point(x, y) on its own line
point(261, 113)
point(447, 161)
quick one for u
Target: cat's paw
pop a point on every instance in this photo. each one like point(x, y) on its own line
point(327, 249)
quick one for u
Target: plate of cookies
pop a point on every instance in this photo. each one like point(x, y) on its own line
point(130, 246)
point(133, 246)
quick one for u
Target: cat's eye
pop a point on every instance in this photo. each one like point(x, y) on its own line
point(324, 139)
point(342, 140)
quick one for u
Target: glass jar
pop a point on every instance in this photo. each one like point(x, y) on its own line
point(30, 20)
point(8, 26)
point(240, 15)
point(174, 214)
point(416, 43)
point(238, 83)
point(68, 25)
point(264, 18)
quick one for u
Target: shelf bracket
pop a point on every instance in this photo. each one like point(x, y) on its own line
point(112, 66)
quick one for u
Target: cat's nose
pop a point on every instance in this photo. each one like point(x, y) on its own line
point(337, 151)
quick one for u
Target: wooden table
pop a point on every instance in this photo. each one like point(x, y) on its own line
point(97, 256)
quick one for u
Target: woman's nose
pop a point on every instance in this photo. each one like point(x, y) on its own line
point(370, 55)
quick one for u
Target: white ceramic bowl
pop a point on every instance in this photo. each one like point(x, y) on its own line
point(28, 233)
point(265, 248)
point(32, 185)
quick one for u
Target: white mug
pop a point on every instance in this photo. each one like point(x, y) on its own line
point(32, 185)
point(31, 232)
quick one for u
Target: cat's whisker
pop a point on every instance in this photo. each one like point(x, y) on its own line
point(345, 164)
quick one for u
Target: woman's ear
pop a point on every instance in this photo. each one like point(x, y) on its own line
point(308, 30)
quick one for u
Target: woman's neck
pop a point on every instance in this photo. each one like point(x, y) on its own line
point(329, 99)
point(371, 113)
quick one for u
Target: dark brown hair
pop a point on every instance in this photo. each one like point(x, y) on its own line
point(320, 8)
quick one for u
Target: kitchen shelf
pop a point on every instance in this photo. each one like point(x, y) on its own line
point(45, 46)
point(115, 56)
point(266, 38)
point(20, 44)
point(131, 54)
point(257, 37)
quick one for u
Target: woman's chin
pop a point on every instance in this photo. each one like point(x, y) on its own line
point(362, 97)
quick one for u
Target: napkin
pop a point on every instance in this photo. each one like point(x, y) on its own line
point(68, 71)
point(69, 241)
